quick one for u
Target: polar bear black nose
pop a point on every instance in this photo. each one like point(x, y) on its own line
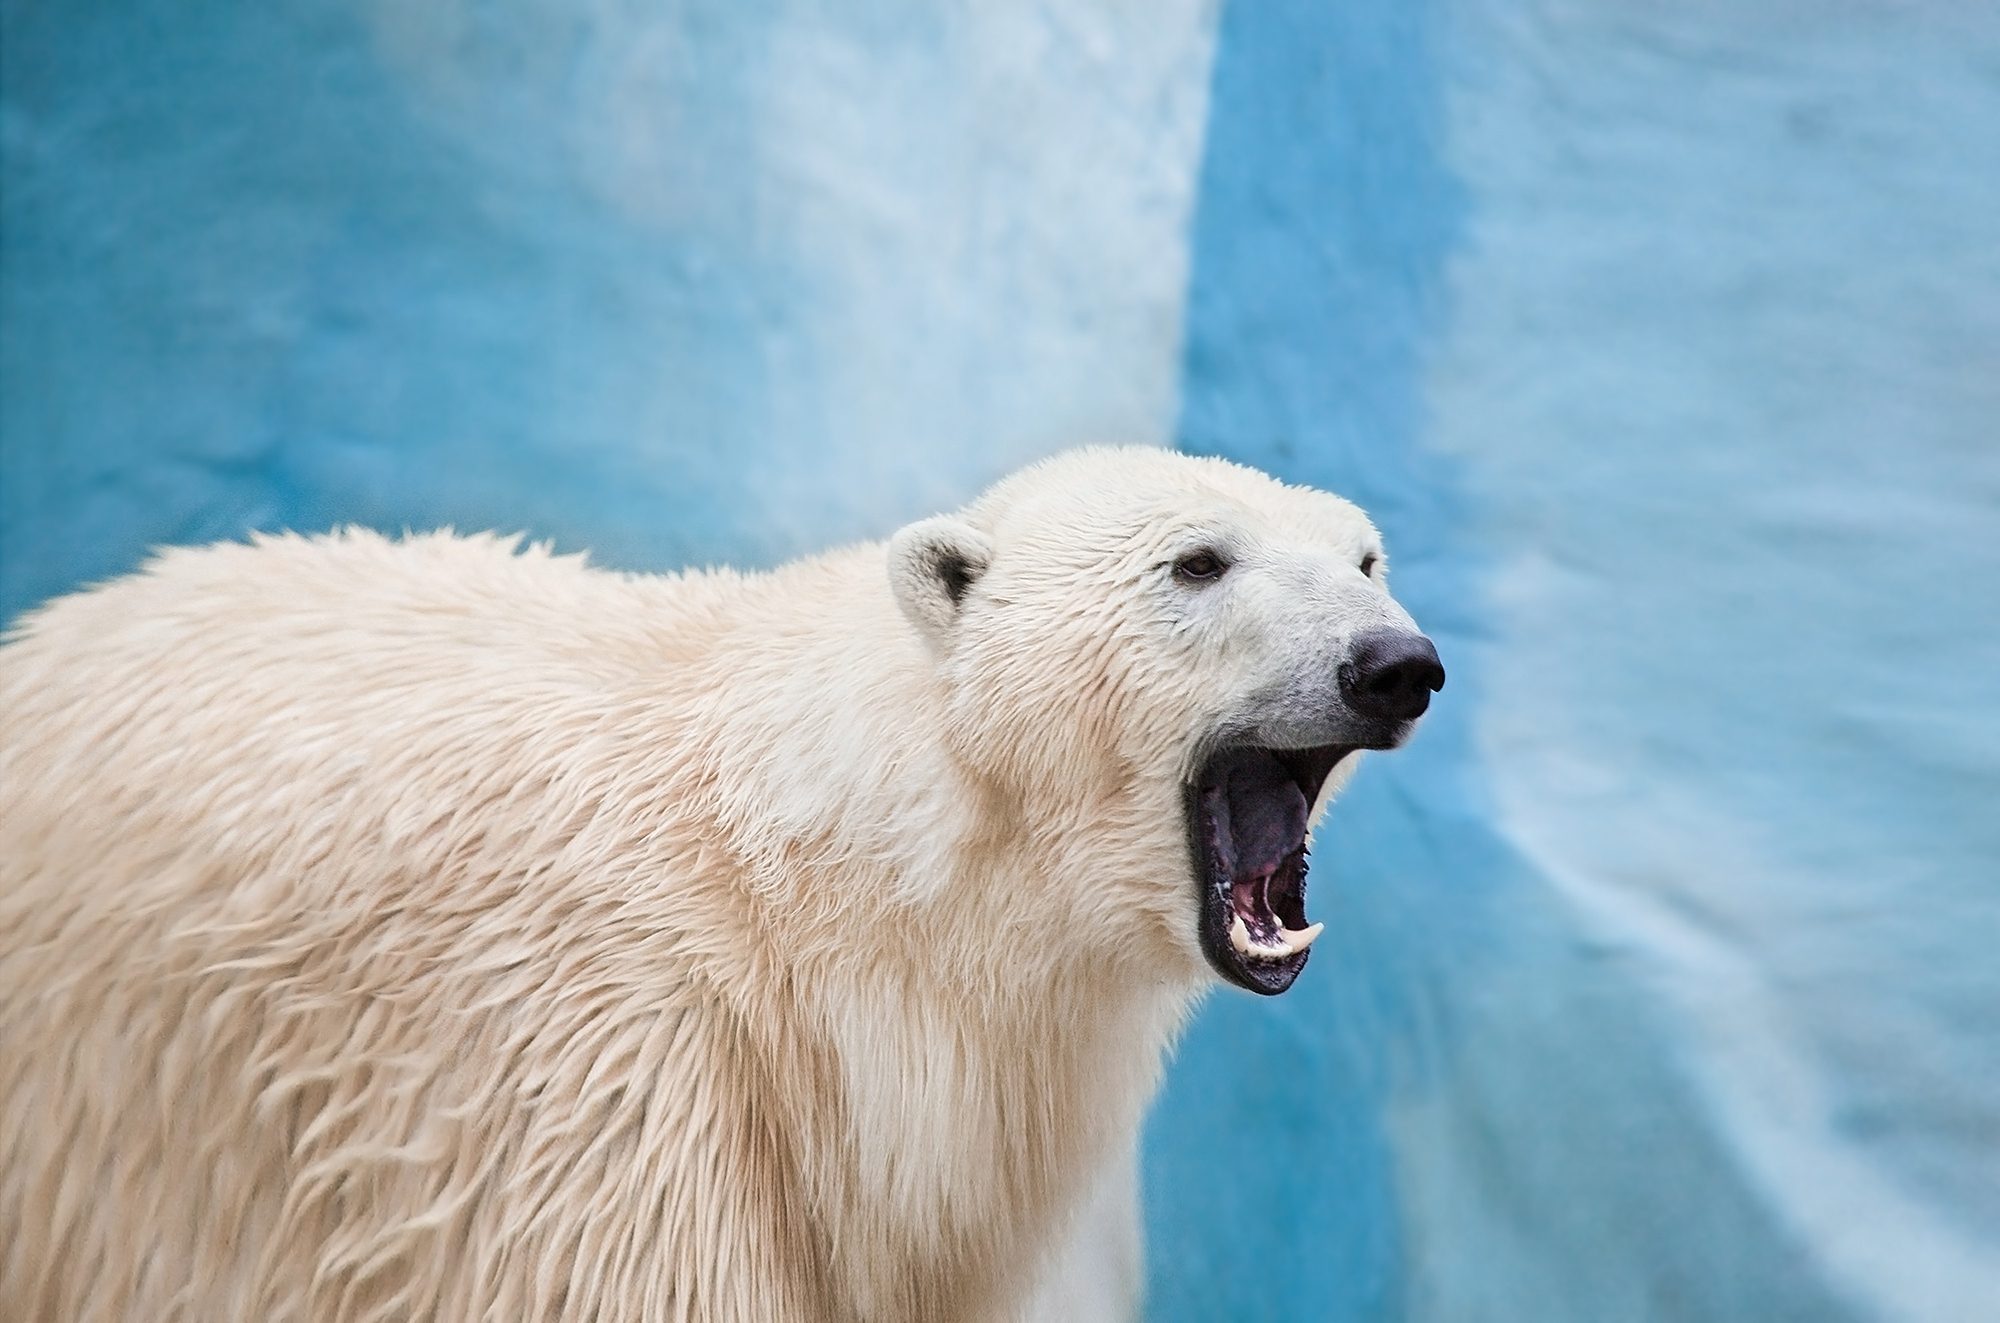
point(1391, 674)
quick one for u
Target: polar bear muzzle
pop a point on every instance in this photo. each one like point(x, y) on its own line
point(1246, 814)
point(1248, 806)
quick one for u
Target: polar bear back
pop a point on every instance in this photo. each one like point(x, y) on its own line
point(306, 999)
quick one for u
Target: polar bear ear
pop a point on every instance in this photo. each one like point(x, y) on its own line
point(933, 564)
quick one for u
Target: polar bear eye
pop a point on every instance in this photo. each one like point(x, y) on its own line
point(1199, 567)
point(1368, 563)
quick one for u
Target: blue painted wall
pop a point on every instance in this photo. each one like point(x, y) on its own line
point(1663, 342)
point(675, 285)
point(1662, 339)
point(1324, 221)
point(1720, 378)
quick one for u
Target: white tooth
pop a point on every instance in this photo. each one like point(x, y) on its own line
point(1299, 940)
point(1288, 943)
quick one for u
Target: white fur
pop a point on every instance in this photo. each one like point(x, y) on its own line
point(421, 929)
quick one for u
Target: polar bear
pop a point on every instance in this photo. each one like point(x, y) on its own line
point(428, 929)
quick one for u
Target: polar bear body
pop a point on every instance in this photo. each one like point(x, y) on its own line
point(421, 929)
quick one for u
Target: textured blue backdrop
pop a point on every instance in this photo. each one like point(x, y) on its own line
point(1662, 339)
point(1664, 343)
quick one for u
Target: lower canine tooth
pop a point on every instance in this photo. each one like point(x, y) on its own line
point(1300, 940)
point(1289, 942)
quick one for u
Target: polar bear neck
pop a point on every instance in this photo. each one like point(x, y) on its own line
point(986, 1068)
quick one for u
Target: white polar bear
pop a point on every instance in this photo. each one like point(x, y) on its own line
point(423, 930)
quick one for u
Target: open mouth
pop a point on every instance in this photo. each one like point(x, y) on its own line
point(1246, 814)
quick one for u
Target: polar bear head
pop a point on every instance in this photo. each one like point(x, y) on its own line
point(1188, 649)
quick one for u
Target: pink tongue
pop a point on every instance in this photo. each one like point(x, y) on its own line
point(1267, 815)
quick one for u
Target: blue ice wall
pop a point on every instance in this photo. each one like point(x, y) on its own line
point(1663, 339)
point(1323, 223)
point(727, 280)
point(1721, 376)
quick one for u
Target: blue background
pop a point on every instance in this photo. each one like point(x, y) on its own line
point(1663, 340)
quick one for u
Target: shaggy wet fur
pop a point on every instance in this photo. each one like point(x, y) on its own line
point(423, 929)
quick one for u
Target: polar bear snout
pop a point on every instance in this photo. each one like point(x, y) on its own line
point(1390, 674)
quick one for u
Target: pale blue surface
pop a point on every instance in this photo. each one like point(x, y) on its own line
point(1662, 339)
point(1454, 993)
point(687, 285)
point(1722, 376)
